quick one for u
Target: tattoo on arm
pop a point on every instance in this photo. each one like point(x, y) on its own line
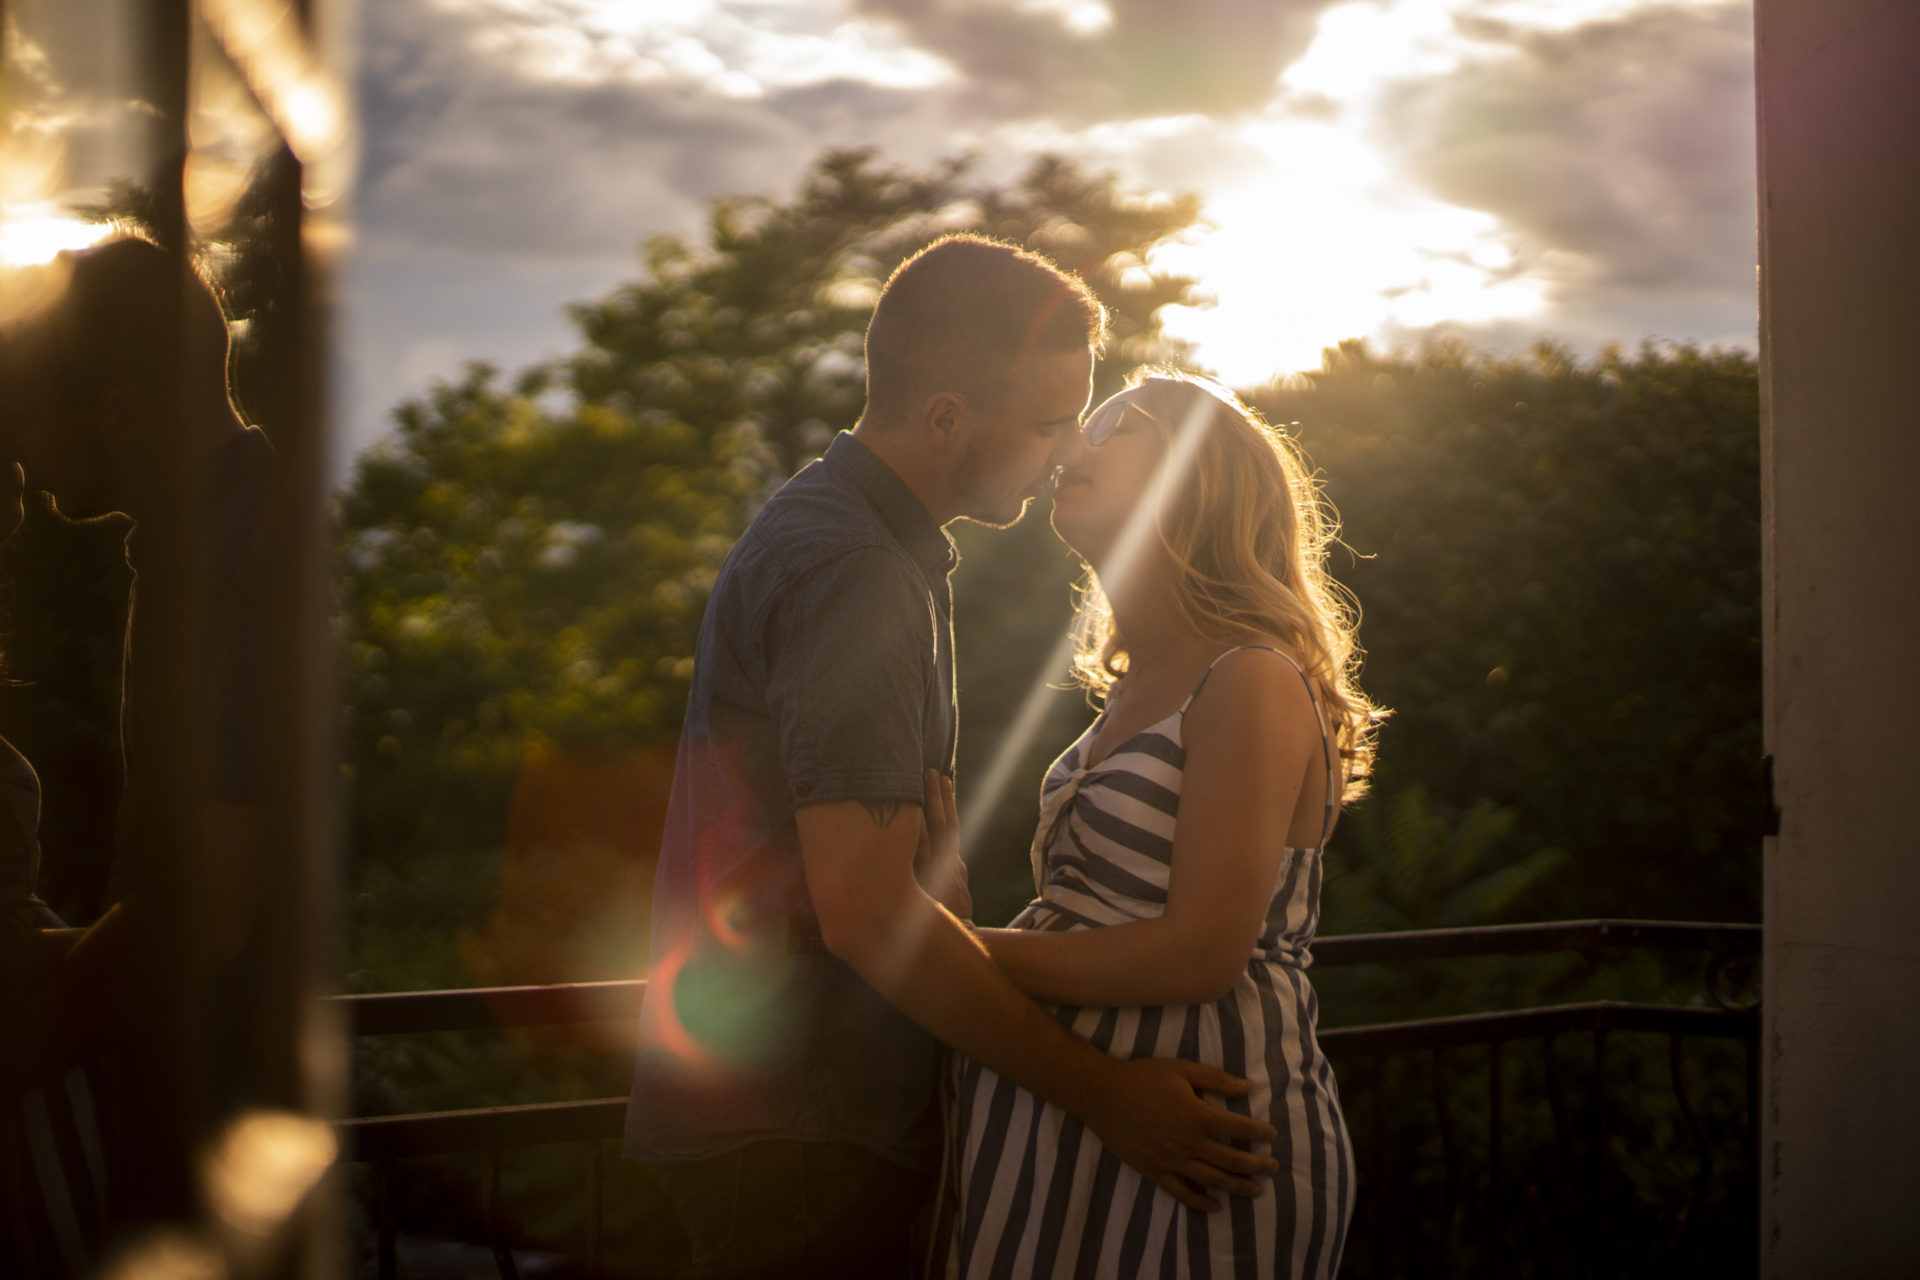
point(882, 812)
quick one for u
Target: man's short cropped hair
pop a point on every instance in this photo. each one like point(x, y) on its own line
point(961, 314)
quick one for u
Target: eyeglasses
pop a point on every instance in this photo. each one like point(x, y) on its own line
point(1106, 419)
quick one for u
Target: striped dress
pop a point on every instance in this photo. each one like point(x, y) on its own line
point(1040, 1195)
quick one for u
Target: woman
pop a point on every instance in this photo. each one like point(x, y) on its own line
point(1179, 847)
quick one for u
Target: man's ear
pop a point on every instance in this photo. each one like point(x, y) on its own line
point(940, 415)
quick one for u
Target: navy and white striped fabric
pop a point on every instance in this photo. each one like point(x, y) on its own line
point(1039, 1195)
point(53, 1177)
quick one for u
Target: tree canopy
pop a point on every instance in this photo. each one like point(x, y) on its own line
point(1557, 561)
point(526, 560)
point(1559, 567)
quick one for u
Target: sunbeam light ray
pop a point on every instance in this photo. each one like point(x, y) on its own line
point(1132, 544)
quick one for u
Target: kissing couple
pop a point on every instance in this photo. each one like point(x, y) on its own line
point(838, 1074)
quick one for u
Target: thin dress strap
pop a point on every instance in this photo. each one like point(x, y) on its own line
point(1319, 720)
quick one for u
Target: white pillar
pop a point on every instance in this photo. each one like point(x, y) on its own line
point(1839, 103)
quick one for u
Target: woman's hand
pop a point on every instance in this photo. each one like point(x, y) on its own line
point(937, 865)
point(1250, 741)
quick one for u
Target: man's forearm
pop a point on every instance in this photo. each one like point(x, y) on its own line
point(1136, 963)
point(918, 957)
point(929, 966)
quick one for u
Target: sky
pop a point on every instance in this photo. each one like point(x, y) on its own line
point(1505, 170)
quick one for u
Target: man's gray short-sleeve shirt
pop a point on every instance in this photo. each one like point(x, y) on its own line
point(824, 672)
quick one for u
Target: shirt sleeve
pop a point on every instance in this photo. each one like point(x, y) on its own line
point(851, 655)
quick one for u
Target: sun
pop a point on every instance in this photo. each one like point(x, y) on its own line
point(1324, 246)
point(1321, 239)
point(34, 235)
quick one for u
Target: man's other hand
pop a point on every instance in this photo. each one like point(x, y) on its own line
point(937, 865)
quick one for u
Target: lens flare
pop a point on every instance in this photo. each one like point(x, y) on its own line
point(265, 40)
point(725, 870)
point(727, 917)
point(262, 1167)
point(993, 784)
point(1141, 527)
point(660, 1009)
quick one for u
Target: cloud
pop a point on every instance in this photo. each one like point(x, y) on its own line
point(1621, 149)
point(501, 179)
point(517, 150)
point(71, 121)
point(567, 128)
point(1083, 61)
point(736, 50)
point(571, 128)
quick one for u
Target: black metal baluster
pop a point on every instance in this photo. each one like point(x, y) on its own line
point(1562, 1166)
point(595, 1211)
point(384, 1225)
point(1753, 1120)
point(1704, 1178)
point(1602, 1246)
point(1380, 1167)
point(502, 1255)
point(1449, 1156)
point(1495, 1127)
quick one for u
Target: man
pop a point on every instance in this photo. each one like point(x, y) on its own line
point(801, 972)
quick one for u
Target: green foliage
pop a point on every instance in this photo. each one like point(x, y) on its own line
point(1559, 566)
point(1428, 873)
point(512, 574)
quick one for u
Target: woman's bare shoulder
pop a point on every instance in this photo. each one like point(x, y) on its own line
point(1253, 692)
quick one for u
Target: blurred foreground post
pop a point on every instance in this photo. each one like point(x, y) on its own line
point(196, 1062)
point(1839, 120)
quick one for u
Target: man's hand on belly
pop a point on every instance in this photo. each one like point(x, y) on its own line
point(877, 919)
point(1150, 1114)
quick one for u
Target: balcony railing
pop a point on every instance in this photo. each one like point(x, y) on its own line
point(1372, 1061)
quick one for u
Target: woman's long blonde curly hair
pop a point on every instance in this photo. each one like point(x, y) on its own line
point(1247, 530)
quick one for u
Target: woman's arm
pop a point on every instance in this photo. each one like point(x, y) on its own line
point(1250, 738)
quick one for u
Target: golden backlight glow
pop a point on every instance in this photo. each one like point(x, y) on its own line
point(264, 39)
point(1320, 248)
point(1140, 532)
point(34, 235)
point(1323, 239)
